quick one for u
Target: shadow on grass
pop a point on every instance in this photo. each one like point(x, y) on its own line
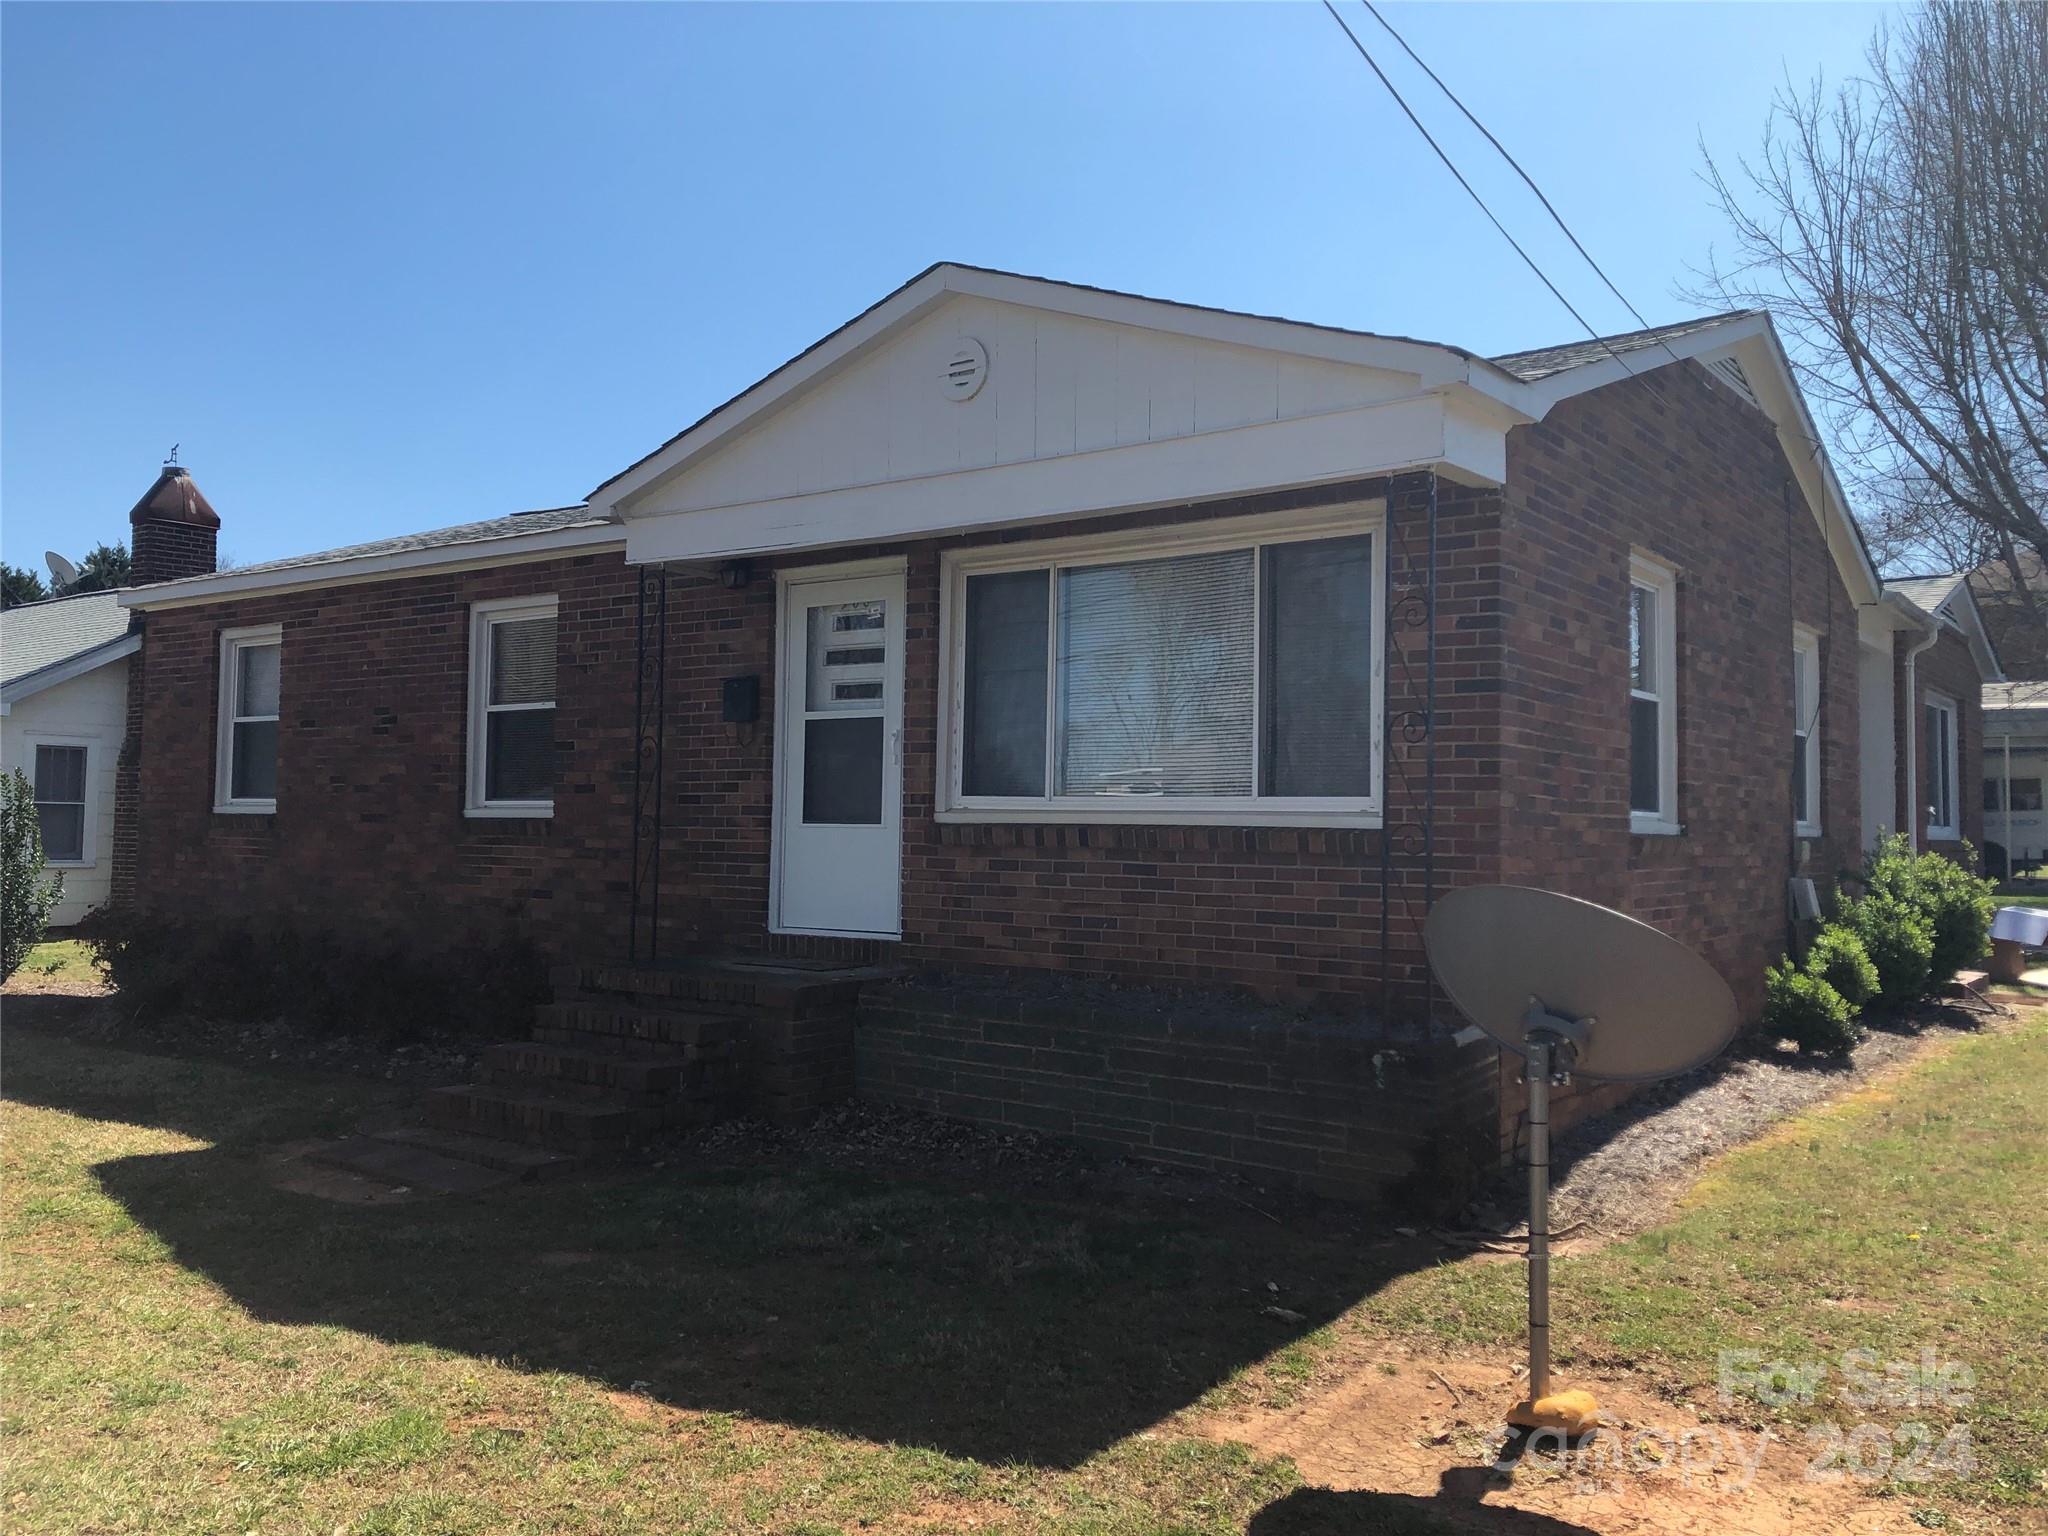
point(1455, 1507)
point(976, 1323)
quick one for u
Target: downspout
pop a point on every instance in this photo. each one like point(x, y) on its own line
point(1913, 742)
point(2007, 742)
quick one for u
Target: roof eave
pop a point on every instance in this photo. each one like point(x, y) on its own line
point(29, 684)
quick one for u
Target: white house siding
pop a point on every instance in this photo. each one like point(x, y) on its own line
point(89, 710)
point(1057, 385)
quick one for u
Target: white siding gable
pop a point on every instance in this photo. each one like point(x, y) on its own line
point(1057, 385)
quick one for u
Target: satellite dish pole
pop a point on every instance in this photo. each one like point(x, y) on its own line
point(1572, 988)
point(1550, 1046)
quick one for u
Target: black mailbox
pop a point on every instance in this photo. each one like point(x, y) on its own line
point(742, 700)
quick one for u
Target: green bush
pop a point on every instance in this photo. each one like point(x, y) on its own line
point(1838, 958)
point(1900, 944)
point(27, 890)
point(1957, 904)
point(434, 980)
point(1804, 1009)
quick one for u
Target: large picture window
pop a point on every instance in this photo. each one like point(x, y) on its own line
point(512, 708)
point(251, 677)
point(1224, 673)
point(1652, 697)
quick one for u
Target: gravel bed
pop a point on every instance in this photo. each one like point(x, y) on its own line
point(1618, 1169)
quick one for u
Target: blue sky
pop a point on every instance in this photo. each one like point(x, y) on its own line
point(381, 267)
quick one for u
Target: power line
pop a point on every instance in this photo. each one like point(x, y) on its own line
point(1451, 166)
point(1527, 180)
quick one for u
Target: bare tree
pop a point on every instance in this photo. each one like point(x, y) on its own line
point(1898, 229)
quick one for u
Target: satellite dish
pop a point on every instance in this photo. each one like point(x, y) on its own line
point(1646, 1006)
point(61, 570)
point(1573, 987)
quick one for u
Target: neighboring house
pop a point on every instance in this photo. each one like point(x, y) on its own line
point(1940, 732)
point(1019, 631)
point(2015, 769)
point(2015, 614)
point(63, 714)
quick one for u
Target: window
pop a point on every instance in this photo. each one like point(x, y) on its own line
point(1939, 715)
point(1806, 699)
point(60, 785)
point(1223, 674)
point(245, 774)
point(512, 708)
point(2026, 795)
point(1653, 697)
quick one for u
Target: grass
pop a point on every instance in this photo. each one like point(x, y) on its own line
point(789, 1350)
point(59, 960)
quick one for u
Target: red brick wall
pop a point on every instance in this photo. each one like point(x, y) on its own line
point(1531, 744)
point(1948, 668)
point(1685, 471)
point(369, 828)
point(1280, 911)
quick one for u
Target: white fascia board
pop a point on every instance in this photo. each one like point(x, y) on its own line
point(478, 554)
point(1762, 354)
point(1434, 367)
point(1420, 432)
point(33, 683)
point(1968, 618)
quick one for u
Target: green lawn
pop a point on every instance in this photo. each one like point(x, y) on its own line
point(189, 1349)
point(63, 961)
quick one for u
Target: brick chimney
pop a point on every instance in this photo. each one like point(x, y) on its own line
point(175, 530)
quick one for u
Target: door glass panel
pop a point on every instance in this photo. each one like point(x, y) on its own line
point(847, 655)
point(843, 771)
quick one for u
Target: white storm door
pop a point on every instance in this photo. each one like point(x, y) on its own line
point(839, 755)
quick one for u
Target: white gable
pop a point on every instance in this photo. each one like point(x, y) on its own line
point(1056, 385)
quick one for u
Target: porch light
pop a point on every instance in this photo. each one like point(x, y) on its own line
point(735, 574)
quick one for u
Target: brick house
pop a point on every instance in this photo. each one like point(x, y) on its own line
point(1020, 638)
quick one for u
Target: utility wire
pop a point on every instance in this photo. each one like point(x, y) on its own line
point(1527, 180)
point(1451, 166)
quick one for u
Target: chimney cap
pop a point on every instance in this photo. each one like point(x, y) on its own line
point(175, 498)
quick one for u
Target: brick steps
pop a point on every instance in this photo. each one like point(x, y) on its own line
point(588, 1066)
point(587, 1127)
point(626, 1053)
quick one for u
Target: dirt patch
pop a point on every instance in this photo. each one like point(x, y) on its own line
point(1430, 1429)
point(286, 1168)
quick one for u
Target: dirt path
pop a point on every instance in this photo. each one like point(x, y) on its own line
point(1406, 1424)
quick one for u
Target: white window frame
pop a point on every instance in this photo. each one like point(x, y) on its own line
point(1660, 580)
point(482, 618)
point(1951, 830)
point(232, 643)
point(1806, 673)
point(1051, 555)
point(88, 837)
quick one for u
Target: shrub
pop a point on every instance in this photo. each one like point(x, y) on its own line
point(1900, 944)
point(1957, 904)
point(27, 890)
point(1838, 958)
point(435, 979)
point(1804, 1009)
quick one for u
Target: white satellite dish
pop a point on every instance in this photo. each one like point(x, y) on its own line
point(1573, 987)
point(62, 571)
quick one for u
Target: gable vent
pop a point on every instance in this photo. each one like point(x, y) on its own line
point(966, 368)
point(1729, 372)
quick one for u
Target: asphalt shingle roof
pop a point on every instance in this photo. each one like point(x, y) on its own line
point(1927, 593)
point(39, 635)
point(1542, 362)
point(547, 520)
